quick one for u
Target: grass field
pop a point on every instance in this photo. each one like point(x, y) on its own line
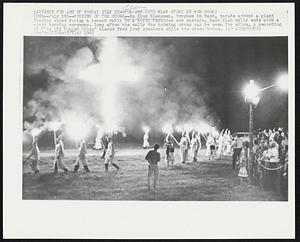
point(200, 181)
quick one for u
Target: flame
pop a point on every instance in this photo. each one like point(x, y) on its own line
point(35, 132)
point(77, 128)
point(54, 125)
point(167, 128)
point(204, 127)
point(146, 129)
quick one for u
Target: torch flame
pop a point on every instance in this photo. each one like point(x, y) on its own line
point(54, 125)
point(204, 127)
point(146, 129)
point(35, 132)
point(167, 128)
point(76, 127)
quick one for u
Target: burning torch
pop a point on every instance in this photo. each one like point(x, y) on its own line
point(168, 130)
point(54, 126)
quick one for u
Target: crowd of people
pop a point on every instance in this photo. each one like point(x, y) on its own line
point(265, 162)
point(270, 155)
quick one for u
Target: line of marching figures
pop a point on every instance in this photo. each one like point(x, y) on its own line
point(58, 162)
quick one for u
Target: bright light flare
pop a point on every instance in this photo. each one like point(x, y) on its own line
point(116, 67)
point(55, 125)
point(179, 128)
point(77, 130)
point(204, 127)
point(100, 130)
point(146, 129)
point(214, 132)
point(35, 132)
point(283, 83)
point(167, 128)
point(251, 91)
point(116, 64)
point(111, 127)
point(76, 127)
point(187, 127)
point(26, 137)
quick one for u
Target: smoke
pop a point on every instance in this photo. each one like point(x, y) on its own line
point(118, 83)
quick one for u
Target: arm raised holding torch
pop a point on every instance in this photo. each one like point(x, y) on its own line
point(54, 126)
point(168, 130)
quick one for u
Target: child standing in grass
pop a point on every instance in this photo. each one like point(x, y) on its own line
point(243, 174)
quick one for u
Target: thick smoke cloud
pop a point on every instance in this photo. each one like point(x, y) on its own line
point(122, 82)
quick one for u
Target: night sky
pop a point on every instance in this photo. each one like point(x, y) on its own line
point(222, 65)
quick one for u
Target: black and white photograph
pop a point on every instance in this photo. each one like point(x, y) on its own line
point(155, 118)
point(149, 120)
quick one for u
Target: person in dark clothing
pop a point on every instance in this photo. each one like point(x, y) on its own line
point(153, 157)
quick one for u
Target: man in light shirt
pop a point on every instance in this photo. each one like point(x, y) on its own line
point(273, 153)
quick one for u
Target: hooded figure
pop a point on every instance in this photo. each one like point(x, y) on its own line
point(59, 155)
point(82, 157)
point(184, 145)
point(220, 143)
point(195, 145)
point(169, 144)
point(35, 153)
point(146, 140)
point(110, 154)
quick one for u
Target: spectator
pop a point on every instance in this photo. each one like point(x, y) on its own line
point(243, 174)
point(272, 174)
point(262, 158)
point(255, 151)
point(153, 157)
point(237, 148)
